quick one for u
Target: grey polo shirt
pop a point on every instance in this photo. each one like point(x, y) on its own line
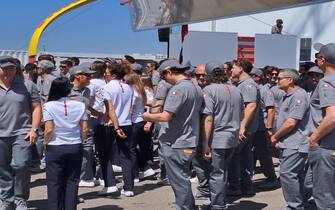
point(47, 84)
point(267, 100)
point(250, 94)
point(162, 90)
point(16, 109)
point(326, 88)
point(224, 102)
point(184, 100)
point(296, 106)
point(81, 95)
point(156, 77)
point(315, 112)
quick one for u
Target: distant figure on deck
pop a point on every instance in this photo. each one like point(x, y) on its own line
point(276, 29)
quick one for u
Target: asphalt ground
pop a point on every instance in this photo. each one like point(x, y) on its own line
point(151, 196)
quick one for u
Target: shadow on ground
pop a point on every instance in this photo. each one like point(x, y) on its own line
point(105, 207)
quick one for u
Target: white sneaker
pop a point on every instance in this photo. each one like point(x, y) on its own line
point(117, 168)
point(108, 190)
point(88, 183)
point(136, 180)
point(148, 172)
point(99, 182)
point(127, 193)
point(194, 180)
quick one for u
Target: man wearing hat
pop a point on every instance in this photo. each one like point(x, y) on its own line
point(265, 127)
point(19, 121)
point(137, 68)
point(322, 147)
point(277, 29)
point(80, 77)
point(222, 113)
point(315, 74)
point(178, 139)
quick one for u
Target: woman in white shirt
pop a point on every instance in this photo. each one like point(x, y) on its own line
point(140, 137)
point(65, 127)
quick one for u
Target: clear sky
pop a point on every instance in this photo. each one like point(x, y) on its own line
point(100, 27)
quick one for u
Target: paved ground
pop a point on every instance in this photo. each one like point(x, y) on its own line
point(150, 196)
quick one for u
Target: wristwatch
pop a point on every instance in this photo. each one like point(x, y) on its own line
point(35, 130)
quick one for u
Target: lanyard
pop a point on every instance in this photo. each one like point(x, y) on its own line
point(65, 108)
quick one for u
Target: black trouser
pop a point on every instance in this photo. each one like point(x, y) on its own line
point(104, 138)
point(144, 142)
point(63, 164)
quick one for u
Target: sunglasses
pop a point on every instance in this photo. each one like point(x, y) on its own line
point(200, 75)
point(62, 66)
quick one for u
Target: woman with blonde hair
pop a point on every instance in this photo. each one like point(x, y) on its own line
point(142, 138)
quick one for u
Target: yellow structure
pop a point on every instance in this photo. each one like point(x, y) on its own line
point(32, 51)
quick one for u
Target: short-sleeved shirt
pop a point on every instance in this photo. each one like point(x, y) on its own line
point(326, 88)
point(315, 112)
point(295, 105)
point(156, 77)
point(250, 93)
point(267, 100)
point(96, 86)
point(47, 84)
point(224, 102)
point(278, 95)
point(66, 115)
point(138, 108)
point(121, 95)
point(16, 109)
point(162, 90)
point(82, 95)
point(184, 100)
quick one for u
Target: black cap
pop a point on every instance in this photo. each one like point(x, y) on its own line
point(130, 58)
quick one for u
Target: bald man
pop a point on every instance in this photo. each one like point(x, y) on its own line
point(200, 74)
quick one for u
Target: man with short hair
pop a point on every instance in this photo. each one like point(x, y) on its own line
point(277, 29)
point(44, 70)
point(64, 68)
point(322, 145)
point(19, 121)
point(242, 165)
point(200, 74)
point(266, 120)
point(153, 73)
point(290, 138)
point(178, 139)
point(222, 113)
point(80, 77)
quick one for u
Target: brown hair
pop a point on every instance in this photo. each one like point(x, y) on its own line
point(147, 83)
point(135, 82)
point(245, 64)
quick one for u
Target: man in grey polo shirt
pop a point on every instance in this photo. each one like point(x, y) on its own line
point(19, 120)
point(44, 70)
point(322, 141)
point(291, 138)
point(221, 119)
point(242, 166)
point(179, 138)
point(80, 77)
point(266, 120)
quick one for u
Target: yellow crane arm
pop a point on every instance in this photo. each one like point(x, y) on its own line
point(32, 51)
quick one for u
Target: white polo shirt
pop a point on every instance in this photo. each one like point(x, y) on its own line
point(96, 86)
point(138, 110)
point(121, 95)
point(66, 115)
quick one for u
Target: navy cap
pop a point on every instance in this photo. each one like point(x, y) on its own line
point(137, 67)
point(172, 64)
point(328, 52)
point(129, 58)
point(6, 61)
point(256, 71)
point(315, 69)
point(213, 66)
point(81, 69)
point(191, 70)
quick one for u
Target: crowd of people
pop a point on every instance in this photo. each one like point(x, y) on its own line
point(83, 122)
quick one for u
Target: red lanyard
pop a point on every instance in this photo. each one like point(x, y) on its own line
point(121, 87)
point(65, 108)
